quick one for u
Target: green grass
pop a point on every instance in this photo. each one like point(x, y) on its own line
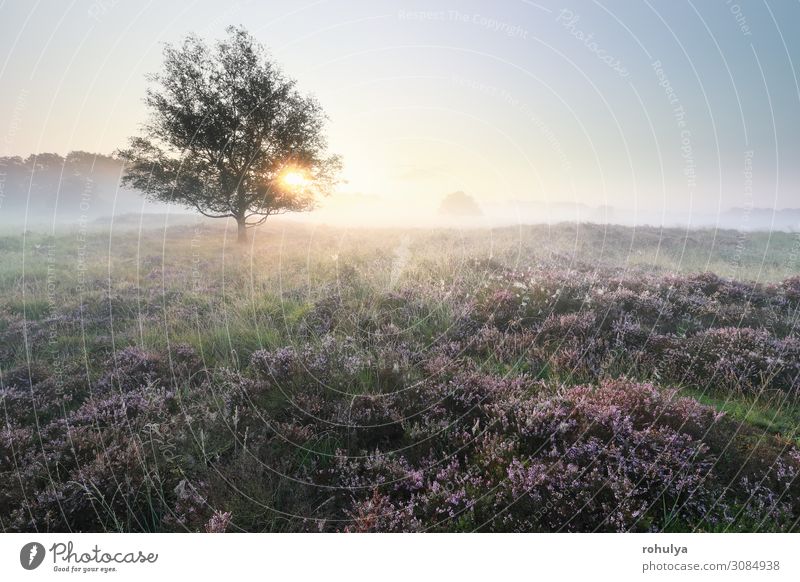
point(776, 415)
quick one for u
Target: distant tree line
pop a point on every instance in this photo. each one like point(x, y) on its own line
point(65, 187)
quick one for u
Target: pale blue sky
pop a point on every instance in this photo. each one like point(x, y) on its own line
point(505, 100)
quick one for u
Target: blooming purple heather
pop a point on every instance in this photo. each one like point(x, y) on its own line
point(542, 398)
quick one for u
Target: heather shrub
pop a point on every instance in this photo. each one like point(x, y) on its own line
point(132, 367)
point(445, 394)
point(791, 289)
point(641, 352)
point(573, 346)
point(580, 326)
point(93, 469)
point(738, 359)
point(501, 308)
point(608, 458)
point(644, 305)
point(277, 366)
point(185, 364)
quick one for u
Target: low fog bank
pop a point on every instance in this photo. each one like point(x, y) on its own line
point(743, 219)
point(353, 210)
point(84, 190)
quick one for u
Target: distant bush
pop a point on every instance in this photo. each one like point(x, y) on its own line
point(459, 204)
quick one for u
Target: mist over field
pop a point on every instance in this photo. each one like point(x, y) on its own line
point(49, 190)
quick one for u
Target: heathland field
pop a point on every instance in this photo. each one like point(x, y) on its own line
point(561, 378)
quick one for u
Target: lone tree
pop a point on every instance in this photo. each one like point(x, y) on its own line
point(229, 135)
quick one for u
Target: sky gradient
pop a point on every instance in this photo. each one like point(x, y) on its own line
point(670, 107)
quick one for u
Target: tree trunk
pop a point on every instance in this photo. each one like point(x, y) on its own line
point(242, 237)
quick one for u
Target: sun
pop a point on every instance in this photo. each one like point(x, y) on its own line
point(294, 178)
